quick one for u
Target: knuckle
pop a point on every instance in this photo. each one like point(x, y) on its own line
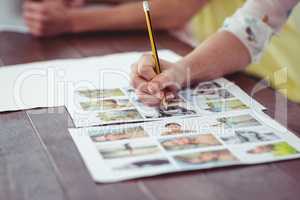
point(146, 71)
point(141, 87)
point(143, 69)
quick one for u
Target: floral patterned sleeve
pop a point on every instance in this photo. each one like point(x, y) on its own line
point(257, 21)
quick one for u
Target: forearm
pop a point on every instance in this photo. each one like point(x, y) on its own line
point(166, 14)
point(124, 17)
point(221, 54)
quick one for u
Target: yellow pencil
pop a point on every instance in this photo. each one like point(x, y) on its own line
point(151, 36)
point(153, 44)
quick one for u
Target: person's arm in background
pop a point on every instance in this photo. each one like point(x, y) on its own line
point(240, 42)
point(52, 18)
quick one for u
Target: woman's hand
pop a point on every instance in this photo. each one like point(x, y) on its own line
point(150, 87)
point(221, 54)
point(47, 18)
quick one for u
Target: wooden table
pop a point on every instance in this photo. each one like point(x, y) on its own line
point(39, 161)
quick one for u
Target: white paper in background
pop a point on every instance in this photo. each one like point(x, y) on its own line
point(50, 84)
point(11, 16)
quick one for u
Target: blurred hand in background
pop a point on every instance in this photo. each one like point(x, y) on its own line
point(48, 18)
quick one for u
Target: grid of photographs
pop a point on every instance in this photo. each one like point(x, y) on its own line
point(121, 105)
point(127, 151)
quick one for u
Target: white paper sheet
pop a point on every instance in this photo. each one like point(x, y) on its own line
point(117, 153)
point(11, 16)
point(50, 84)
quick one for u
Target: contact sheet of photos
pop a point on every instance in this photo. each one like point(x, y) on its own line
point(127, 151)
point(212, 125)
point(120, 105)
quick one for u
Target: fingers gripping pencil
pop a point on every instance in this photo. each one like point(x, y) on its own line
point(153, 44)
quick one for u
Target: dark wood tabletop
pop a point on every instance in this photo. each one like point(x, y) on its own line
point(39, 161)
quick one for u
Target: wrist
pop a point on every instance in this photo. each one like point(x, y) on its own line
point(198, 70)
point(183, 73)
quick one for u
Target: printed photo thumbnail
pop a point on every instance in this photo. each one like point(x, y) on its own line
point(279, 149)
point(107, 104)
point(116, 134)
point(176, 107)
point(119, 116)
point(175, 128)
point(249, 136)
point(225, 106)
point(209, 158)
point(256, 153)
point(208, 95)
point(190, 142)
point(101, 93)
point(128, 149)
point(209, 85)
point(143, 164)
point(240, 121)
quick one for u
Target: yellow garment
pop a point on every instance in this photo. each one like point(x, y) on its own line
point(280, 64)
